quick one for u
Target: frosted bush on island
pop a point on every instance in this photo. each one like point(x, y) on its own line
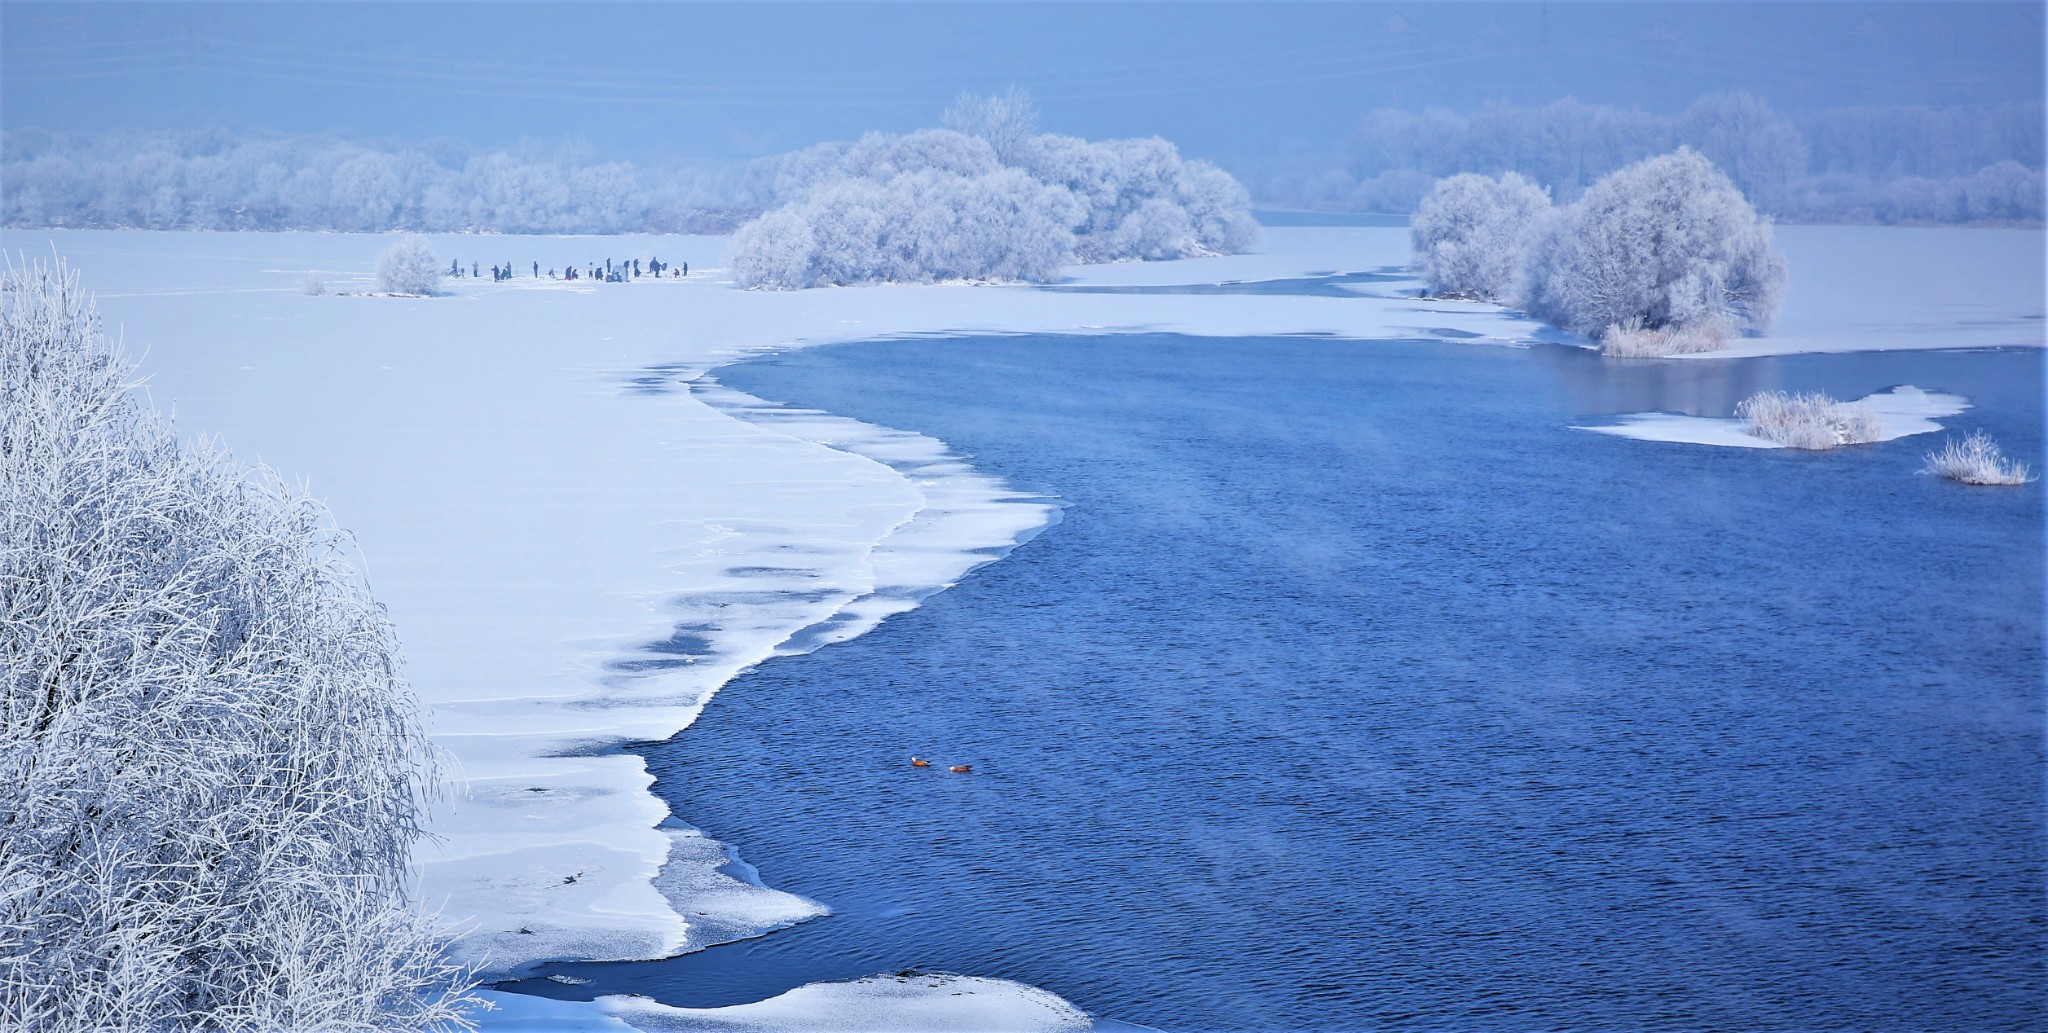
point(915, 228)
point(211, 772)
point(1471, 234)
point(1120, 180)
point(943, 204)
point(1976, 460)
point(1664, 254)
point(409, 267)
point(1810, 421)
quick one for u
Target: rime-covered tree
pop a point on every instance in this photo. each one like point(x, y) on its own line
point(940, 204)
point(409, 267)
point(1763, 154)
point(1667, 243)
point(1472, 233)
point(1005, 120)
point(916, 227)
point(212, 773)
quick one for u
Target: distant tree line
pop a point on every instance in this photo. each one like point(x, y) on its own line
point(1893, 165)
point(989, 198)
point(214, 180)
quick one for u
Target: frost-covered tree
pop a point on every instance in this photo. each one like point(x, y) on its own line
point(1472, 233)
point(409, 267)
point(1004, 120)
point(213, 180)
point(1762, 153)
point(940, 204)
point(2005, 192)
point(915, 227)
point(212, 773)
point(1875, 164)
point(1664, 244)
point(1117, 179)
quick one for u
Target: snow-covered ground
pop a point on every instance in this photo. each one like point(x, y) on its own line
point(541, 499)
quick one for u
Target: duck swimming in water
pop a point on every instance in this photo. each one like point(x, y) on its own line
point(961, 769)
point(919, 762)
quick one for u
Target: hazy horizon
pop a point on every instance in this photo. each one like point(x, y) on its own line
point(694, 83)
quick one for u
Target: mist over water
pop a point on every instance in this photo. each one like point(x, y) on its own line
point(1355, 689)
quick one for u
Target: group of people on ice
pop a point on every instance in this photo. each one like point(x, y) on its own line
point(609, 272)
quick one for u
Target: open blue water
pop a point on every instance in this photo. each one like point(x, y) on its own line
point(1355, 690)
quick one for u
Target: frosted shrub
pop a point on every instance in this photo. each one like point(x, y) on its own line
point(1637, 342)
point(1471, 234)
point(1663, 243)
point(1976, 460)
point(408, 267)
point(1807, 420)
point(994, 203)
point(211, 771)
point(918, 227)
point(312, 287)
point(1117, 179)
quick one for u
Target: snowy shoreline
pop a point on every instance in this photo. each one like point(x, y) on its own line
point(550, 492)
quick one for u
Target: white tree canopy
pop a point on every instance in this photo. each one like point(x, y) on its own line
point(1472, 233)
point(409, 267)
point(1667, 242)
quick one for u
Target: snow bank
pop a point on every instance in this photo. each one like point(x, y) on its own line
point(1900, 412)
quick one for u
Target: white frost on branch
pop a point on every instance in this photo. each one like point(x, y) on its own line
point(1666, 244)
point(996, 203)
point(409, 267)
point(212, 773)
point(1471, 234)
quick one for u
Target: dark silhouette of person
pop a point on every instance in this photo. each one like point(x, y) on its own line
point(472, 269)
point(686, 268)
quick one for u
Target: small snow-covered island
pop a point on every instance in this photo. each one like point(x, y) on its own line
point(862, 517)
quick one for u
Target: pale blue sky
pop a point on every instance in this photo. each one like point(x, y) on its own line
point(652, 81)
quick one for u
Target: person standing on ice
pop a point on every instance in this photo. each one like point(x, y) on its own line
point(536, 270)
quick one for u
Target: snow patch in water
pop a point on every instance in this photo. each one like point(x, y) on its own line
point(1902, 412)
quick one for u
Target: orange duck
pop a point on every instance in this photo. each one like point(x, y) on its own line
point(919, 762)
point(961, 769)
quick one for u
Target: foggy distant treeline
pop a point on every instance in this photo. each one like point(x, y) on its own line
point(214, 180)
point(1880, 164)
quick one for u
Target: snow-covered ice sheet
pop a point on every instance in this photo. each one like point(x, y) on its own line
point(580, 541)
point(878, 1004)
point(1889, 288)
point(929, 1003)
point(1901, 412)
